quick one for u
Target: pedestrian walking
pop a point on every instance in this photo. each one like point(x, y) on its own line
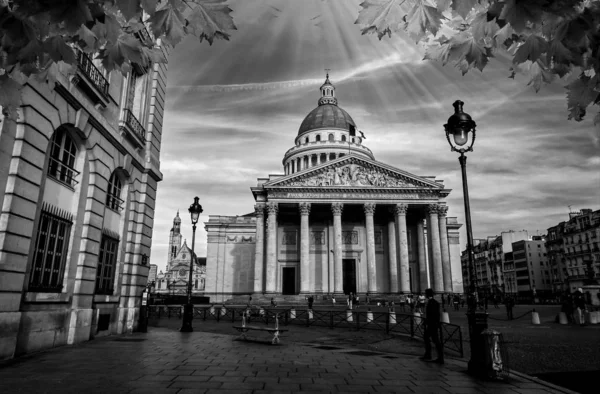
point(409, 302)
point(432, 329)
point(579, 302)
point(310, 301)
point(510, 303)
point(368, 299)
point(402, 300)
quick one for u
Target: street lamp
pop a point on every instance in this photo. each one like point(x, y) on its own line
point(188, 310)
point(461, 128)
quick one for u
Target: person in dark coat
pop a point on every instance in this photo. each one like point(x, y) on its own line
point(310, 301)
point(510, 303)
point(432, 329)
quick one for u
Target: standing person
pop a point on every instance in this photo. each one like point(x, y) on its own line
point(432, 329)
point(249, 300)
point(310, 301)
point(273, 303)
point(409, 302)
point(333, 300)
point(579, 303)
point(368, 299)
point(350, 300)
point(402, 301)
point(496, 302)
point(455, 301)
point(462, 301)
point(421, 305)
point(510, 303)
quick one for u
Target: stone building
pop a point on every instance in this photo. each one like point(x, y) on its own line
point(336, 221)
point(574, 249)
point(78, 179)
point(175, 279)
point(531, 268)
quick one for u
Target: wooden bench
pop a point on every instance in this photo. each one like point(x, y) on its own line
point(271, 330)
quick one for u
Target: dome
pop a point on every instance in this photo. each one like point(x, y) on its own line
point(326, 116)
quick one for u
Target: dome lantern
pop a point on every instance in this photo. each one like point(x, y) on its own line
point(327, 92)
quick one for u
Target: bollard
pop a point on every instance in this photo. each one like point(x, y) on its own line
point(212, 310)
point(562, 318)
point(445, 317)
point(595, 317)
point(292, 313)
point(349, 315)
point(535, 318)
point(392, 316)
point(261, 311)
point(310, 314)
point(369, 316)
point(223, 311)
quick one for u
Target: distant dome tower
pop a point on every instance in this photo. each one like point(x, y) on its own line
point(175, 238)
point(326, 133)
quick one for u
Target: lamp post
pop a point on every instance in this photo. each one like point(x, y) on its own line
point(188, 310)
point(461, 128)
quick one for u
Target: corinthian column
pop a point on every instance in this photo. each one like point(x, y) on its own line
point(271, 276)
point(436, 253)
point(304, 248)
point(371, 267)
point(446, 267)
point(259, 257)
point(336, 208)
point(423, 283)
point(400, 211)
point(393, 262)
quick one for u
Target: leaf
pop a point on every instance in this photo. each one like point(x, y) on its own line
point(10, 96)
point(88, 37)
point(130, 8)
point(58, 49)
point(210, 19)
point(531, 49)
point(149, 6)
point(423, 18)
point(559, 53)
point(382, 16)
point(168, 22)
point(481, 28)
point(539, 74)
point(503, 34)
point(581, 93)
point(71, 13)
point(519, 12)
point(463, 7)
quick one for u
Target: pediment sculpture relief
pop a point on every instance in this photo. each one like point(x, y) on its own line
point(351, 175)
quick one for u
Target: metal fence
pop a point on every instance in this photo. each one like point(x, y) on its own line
point(390, 322)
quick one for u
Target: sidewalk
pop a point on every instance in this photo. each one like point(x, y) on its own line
point(166, 361)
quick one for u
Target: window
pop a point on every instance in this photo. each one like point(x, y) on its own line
point(173, 251)
point(306, 140)
point(331, 137)
point(50, 251)
point(113, 200)
point(343, 138)
point(196, 284)
point(318, 138)
point(107, 261)
point(62, 157)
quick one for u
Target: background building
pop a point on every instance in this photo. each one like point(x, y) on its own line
point(532, 270)
point(337, 221)
point(174, 281)
point(574, 247)
point(78, 179)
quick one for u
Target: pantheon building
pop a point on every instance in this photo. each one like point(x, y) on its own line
point(335, 221)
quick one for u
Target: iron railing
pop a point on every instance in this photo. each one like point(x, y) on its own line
point(390, 322)
point(134, 125)
point(92, 73)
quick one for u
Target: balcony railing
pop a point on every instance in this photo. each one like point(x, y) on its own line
point(91, 72)
point(133, 126)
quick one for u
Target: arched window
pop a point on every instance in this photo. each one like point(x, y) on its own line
point(353, 139)
point(62, 157)
point(331, 137)
point(318, 138)
point(306, 140)
point(113, 194)
point(196, 284)
point(343, 137)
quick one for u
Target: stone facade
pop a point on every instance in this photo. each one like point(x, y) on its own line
point(336, 221)
point(78, 179)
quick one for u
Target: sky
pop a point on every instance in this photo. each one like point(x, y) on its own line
point(234, 108)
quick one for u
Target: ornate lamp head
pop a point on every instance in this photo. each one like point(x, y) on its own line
point(195, 210)
point(462, 129)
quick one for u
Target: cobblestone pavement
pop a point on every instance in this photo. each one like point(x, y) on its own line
point(166, 361)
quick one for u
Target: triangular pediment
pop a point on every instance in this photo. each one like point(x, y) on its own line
point(354, 172)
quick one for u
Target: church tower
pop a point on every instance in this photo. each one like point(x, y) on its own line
point(174, 239)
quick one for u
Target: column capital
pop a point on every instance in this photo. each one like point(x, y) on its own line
point(442, 210)
point(304, 208)
point(259, 209)
point(272, 208)
point(400, 209)
point(432, 208)
point(369, 208)
point(337, 208)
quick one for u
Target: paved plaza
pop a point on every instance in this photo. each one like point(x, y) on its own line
point(166, 361)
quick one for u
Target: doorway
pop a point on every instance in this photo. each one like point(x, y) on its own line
point(349, 276)
point(288, 280)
